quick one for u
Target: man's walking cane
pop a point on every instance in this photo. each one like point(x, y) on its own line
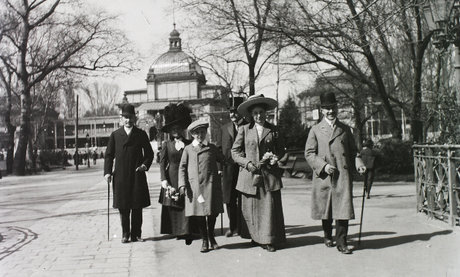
point(108, 210)
point(362, 212)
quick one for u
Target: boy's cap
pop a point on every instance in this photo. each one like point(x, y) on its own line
point(200, 123)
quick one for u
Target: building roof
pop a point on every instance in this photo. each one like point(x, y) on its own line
point(156, 105)
point(175, 60)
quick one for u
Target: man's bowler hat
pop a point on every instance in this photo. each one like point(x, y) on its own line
point(327, 99)
point(127, 110)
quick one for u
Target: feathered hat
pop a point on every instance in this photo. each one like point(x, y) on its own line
point(176, 114)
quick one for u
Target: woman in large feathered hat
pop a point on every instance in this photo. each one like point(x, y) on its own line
point(173, 221)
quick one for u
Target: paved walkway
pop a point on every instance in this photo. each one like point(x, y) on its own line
point(73, 240)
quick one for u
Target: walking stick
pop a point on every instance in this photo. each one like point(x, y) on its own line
point(221, 223)
point(362, 212)
point(108, 210)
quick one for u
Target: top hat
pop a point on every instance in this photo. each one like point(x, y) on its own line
point(235, 102)
point(200, 123)
point(127, 110)
point(269, 103)
point(176, 114)
point(327, 99)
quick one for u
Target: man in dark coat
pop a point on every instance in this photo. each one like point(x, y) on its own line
point(130, 147)
point(230, 170)
point(368, 155)
point(331, 152)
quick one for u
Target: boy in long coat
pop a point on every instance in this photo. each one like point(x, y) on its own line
point(130, 147)
point(331, 152)
point(200, 181)
point(230, 171)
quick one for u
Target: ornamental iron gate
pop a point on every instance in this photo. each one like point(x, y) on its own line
point(437, 178)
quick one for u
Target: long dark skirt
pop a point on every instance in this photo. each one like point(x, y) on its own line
point(263, 215)
point(174, 222)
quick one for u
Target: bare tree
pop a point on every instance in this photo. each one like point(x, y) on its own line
point(226, 28)
point(342, 35)
point(102, 98)
point(57, 35)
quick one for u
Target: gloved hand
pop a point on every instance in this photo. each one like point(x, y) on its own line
point(108, 177)
point(141, 168)
point(252, 168)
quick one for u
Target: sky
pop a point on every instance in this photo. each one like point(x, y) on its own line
point(147, 24)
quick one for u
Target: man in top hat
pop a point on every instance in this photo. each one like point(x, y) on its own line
point(133, 155)
point(332, 154)
point(230, 170)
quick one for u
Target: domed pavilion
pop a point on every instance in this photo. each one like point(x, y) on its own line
point(176, 77)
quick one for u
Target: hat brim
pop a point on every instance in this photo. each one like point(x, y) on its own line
point(269, 102)
point(183, 123)
point(127, 114)
point(195, 127)
point(329, 105)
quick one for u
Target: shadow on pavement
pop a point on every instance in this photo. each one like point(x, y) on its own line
point(292, 230)
point(395, 241)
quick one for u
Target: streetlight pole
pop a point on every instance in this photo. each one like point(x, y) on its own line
point(77, 157)
point(443, 18)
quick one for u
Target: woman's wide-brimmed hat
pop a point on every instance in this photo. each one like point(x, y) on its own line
point(176, 114)
point(258, 99)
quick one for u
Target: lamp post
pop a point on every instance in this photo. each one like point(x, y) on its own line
point(443, 18)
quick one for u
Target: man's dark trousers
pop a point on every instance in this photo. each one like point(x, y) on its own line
point(132, 228)
point(341, 231)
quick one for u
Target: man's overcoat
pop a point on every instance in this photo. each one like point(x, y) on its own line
point(331, 195)
point(130, 189)
point(199, 175)
point(230, 169)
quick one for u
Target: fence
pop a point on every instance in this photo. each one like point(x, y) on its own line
point(437, 175)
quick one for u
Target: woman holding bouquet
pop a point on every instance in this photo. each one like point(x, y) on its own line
point(256, 149)
point(173, 220)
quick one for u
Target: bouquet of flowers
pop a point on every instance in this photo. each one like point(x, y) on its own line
point(269, 159)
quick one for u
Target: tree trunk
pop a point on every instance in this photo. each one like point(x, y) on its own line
point(19, 164)
point(252, 78)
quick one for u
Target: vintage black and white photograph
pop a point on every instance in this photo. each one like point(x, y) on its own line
point(229, 138)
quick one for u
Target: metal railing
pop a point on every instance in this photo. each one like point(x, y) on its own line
point(437, 175)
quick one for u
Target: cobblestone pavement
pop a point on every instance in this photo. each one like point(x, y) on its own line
point(43, 235)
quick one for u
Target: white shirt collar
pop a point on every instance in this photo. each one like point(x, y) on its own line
point(196, 143)
point(128, 129)
point(331, 123)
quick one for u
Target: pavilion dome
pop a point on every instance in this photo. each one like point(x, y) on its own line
point(175, 60)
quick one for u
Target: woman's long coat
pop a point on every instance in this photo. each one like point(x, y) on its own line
point(332, 195)
point(198, 173)
point(249, 148)
point(130, 189)
point(173, 220)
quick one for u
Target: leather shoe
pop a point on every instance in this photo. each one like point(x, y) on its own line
point(344, 250)
point(229, 233)
point(125, 240)
point(139, 239)
point(213, 243)
point(188, 241)
point(204, 246)
point(253, 243)
point(328, 242)
point(270, 248)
